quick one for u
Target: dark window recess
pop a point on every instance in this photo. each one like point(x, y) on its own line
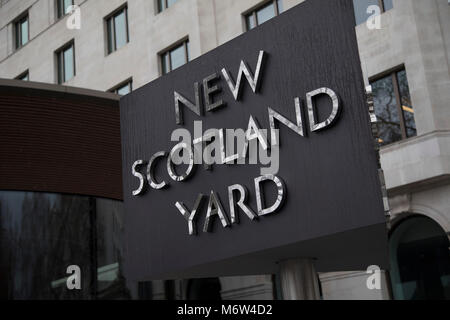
point(124, 88)
point(175, 57)
point(265, 12)
point(420, 260)
point(21, 31)
point(24, 76)
point(164, 4)
point(393, 107)
point(66, 63)
point(117, 30)
point(62, 7)
point(361, 6)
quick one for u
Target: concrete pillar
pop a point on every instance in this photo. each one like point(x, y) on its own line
point(299, 280)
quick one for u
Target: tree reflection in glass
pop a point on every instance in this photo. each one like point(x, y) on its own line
point(386, 110)
point(407, 108)
point(42, 234)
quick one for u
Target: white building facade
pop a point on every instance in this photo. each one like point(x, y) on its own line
point(119, 45)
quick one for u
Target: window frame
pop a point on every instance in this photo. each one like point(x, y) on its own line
point(110, 19)
point(17, 30)
point(393, 73)
point(162, 54)
point(165, 6)
point(24, 74)
point(382, 6)
point(253, 13)
point(59, 7)
point(60, 67)
point(122, 84)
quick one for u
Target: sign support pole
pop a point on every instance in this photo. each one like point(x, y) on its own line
point(299, 280)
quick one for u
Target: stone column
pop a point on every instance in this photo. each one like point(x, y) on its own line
point(299, 280)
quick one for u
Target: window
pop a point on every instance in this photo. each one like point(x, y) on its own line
point(420, 260)
point(361, 7)
point(66, 63)
point(25, 76)
point(175, 58)
point(263, 13)
point(21, 31)
point(41, 234)
point(123, 88)
point(392, 102)
point(62, 7)
point(164, 4)
point(117, 29)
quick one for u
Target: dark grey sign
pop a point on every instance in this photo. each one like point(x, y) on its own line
point(299, 73)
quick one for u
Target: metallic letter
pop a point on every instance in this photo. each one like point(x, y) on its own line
point(190, 216)
point(208, 91)
point(150, 172)
point(260, 196)
point(138, 175)
point(297, 128)
point(244, 69)
point(243, 197)
point(334, 111)
point(215, 208)
point(193, 107)
point(254, 132)
point(170, 168)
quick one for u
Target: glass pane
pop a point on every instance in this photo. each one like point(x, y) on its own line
point(280, 6)
point(386, 110)
point(388, 5)
point(63, 7)
point(420, 260)
point(67, 4)
point(40, 236)
point(360, 7)
point(161, 5)
point(170, 2)
point(266, 13)
point(24, 31)
point(69, 71)
point(126, 89)
point(121, 29)
point(408, 111)
point(111, 281)
point(24, 77)
point(250, 21)
point(165, 65)
point(178, 57)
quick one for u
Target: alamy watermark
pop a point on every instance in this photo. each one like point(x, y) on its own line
point(373, 282)
point(227, 146)
point(74, 20)
point(374, 20)
point(74, 280)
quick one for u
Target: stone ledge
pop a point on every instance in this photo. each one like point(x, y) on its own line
point(417, 162)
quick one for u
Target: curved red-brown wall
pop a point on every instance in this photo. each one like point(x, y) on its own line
point(59, 139)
